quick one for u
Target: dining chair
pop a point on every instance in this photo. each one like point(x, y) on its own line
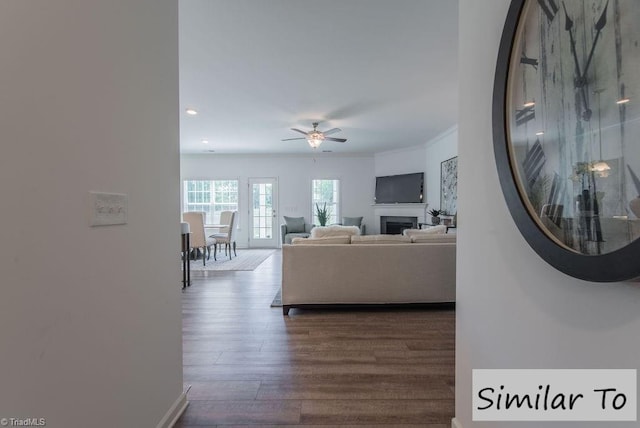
point(227, 235)
point(225, 219)
point(199, 239)
point(222, 227)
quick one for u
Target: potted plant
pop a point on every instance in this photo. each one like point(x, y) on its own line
point(323, 214)
point(435, 213)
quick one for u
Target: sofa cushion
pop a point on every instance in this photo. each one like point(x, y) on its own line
point(294, 224)
point(332, 240)
point(433, 230)
point(352, 221)
point(334, 230)
point(380, 239)
point(434, 238)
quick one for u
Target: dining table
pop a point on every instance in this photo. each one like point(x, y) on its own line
point(208, 227)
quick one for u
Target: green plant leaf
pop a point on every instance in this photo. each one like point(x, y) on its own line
point(323, 214)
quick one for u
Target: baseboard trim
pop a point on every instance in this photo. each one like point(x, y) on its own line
point(174, 413)
point(369, 306)
point(455, 423)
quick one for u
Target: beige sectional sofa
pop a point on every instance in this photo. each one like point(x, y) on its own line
point(372, 269)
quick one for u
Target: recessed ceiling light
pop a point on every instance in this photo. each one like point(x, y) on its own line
point(205, 141)
point(540, 133)
point(623, 101)
point(191, 111)
point(529, 104)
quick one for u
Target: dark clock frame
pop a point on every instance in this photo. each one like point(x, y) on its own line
point(620, 265)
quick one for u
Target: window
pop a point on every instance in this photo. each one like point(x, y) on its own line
point(211, 196)
point(326, 191)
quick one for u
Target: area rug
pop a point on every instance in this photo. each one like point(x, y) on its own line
point(245, 260)
point(277, 300)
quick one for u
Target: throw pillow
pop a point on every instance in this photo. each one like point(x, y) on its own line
point(441, 228)
point(294, 224)
point(352, 221)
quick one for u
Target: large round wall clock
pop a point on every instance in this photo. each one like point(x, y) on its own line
point(566, 125)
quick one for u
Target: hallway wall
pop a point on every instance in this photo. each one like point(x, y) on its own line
point(513, 309)
point(90, 317)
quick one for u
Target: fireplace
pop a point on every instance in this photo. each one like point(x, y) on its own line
point(394, 225)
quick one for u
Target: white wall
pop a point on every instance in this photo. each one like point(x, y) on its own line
point(514, 310)
point(401, 161)
point(89, 317)
point(294, 175)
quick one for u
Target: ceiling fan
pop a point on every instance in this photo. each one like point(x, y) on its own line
point(315, 137)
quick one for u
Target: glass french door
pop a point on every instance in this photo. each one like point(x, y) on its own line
point(263, 227)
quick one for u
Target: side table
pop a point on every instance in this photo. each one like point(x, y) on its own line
point(186, 263)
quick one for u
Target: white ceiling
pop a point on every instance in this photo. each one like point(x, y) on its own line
point(384, 71)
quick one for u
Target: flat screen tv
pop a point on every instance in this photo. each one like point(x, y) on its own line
point(400, 189)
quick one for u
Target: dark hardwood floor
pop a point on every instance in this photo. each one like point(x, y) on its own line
point(248, 365)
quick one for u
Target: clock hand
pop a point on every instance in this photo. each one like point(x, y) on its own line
point(568, 26)
point(530, 61)
point(602, 21)
point(579, 81)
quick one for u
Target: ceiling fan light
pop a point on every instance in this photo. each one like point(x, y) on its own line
point(315, 138)
point(315, 135)
point(314, 142)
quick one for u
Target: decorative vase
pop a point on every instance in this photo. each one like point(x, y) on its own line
point(435, 220)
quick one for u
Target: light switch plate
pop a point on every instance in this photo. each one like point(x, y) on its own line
point(107, 208)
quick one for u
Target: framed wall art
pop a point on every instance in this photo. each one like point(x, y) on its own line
point(566, 125)
point(449, 186)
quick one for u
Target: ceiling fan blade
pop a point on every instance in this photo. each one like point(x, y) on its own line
point(332, 131)
point(289, 139)
point(337, 140)
point(298, 130)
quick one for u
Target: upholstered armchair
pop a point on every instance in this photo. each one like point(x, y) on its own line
point(354, 221)
point(294, 227)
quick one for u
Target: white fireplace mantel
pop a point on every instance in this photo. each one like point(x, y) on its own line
point(407, 210)
point(421, 205)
